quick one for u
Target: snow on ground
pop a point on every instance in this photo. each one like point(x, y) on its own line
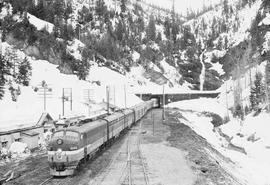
point(170, 72)
point(266, 20)
point(246, 17)
point(74, 48)
point(182, 6)
point(252, 135)
point(18, 147)
point(218, 68)
point(139, 84)
point(30, 104)
point(135, 56)
point(266, 44)
point(205, 104)
point(5, 11)
point(39, 23)
point(166, 169)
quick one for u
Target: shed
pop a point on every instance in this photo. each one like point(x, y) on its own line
point(30, 137)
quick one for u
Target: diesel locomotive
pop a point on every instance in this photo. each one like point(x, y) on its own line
point(71, 146)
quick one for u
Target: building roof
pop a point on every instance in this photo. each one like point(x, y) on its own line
point(22, 130)
point(30, 133)
point(43, 116)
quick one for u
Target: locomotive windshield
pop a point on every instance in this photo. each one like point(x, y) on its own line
point(58, 134)
point(74, 135)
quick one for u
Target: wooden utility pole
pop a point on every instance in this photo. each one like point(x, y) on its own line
point(108, 99)
point(71, 99)
point(153, 121)
point(88, 95)
point(63, 102)
point(227, 107)
point(66, 96)
point(266, 85)
point(44, 93)
point(114, 95)
point(125, 96)
point(163, 113)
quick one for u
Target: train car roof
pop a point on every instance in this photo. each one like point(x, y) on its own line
point(87, 126)
point(138, 105)
point(127, 111)
point(114, 116)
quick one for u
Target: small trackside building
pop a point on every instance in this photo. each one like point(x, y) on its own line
point(27, 134)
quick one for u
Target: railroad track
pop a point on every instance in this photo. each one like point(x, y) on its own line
point(56, 181)
point(137, 173)
point(127, 167)
point(115, 168)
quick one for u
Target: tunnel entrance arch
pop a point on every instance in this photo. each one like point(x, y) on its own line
point(158, 98)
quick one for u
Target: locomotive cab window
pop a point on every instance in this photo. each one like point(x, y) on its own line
point(72, 134)
point(58, 134)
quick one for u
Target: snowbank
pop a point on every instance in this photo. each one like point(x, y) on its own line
point(182, 6)
point(201, 105)
point(18, 147)
point(251, 136)
point(266, 20)
point(253, 131)
point(30, 104)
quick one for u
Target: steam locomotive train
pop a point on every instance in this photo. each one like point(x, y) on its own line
point(73, 145)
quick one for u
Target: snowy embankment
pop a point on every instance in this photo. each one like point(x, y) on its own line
point(30, 103)
point(251, 167)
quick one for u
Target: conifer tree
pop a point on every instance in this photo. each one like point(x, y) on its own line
point(267, 83)
point(123, 6)
point(257, 93)
point(24, 72)
point(167, 28)
point(5, 67)
point(120, 30)
point(3, 71)
point(12, 57)
point(100, 8)
point(151, 29)
point(225, 7)
point(59, 8)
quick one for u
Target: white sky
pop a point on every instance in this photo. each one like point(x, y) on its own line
point(182, 5)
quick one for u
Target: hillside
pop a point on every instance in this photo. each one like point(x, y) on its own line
point(148, 44)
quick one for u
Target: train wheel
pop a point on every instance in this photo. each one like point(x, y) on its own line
point(79, 166)
point(86, 158)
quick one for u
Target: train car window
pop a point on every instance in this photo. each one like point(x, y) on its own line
point(58, 134)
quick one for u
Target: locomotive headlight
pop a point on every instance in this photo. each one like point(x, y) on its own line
point(59, 141)
point(59, 151)
point(73, 148)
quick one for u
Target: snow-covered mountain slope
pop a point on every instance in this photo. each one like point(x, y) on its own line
point(146, 44)
point(30, 103)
